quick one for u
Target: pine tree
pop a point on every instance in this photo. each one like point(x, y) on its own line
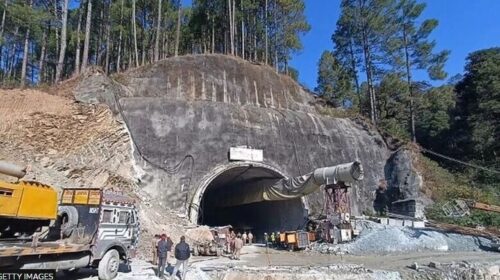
point(411, 48)
point(25, 51)
point(134, 29)
point(334, 81)
point(86, 44)
point(62, 51)
point(157, 37)
point(364, 27)
point(345, 49)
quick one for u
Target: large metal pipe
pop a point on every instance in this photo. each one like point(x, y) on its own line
point(13, 170)
point(291, 188)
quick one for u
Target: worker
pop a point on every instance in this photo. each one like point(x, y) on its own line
point(238, 244)
point(381, 199)
point(233, 238)
point(250, 237)
point(228, 242)
point(273, 240)
point(278, 240)
point(162, 255)
point(266, 238)
point(154, 244)
point(182, 254)
point(244, 237)
point(170, 244)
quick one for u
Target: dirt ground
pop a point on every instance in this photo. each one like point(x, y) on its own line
point(258, 261)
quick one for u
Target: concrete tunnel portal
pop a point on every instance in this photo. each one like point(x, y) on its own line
point(259, 217)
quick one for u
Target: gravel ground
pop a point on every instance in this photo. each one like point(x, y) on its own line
point(378, 238)
point(258, 263)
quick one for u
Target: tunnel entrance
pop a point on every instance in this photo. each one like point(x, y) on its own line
point(260, 217)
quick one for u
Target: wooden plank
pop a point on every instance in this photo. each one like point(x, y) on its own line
point(487, 233)
point(486, 207)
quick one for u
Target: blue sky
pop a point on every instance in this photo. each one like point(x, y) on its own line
point(464, 26)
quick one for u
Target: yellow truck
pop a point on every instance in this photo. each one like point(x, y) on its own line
point(25, 206)
point(86, 227)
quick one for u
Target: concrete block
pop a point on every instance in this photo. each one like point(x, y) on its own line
point(396, 222)
point(408, 223)
point(418, 224)
point(384, 221)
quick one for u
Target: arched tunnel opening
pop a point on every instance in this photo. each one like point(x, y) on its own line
point(258, 217)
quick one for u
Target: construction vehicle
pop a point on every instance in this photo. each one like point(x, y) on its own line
point(90, 227)
point(215, 246)
point(294, 240)
point(21, 212)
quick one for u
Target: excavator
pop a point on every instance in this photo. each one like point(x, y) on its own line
point(25, 206)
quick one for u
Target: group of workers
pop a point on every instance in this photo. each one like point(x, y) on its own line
point(236, 241)
point(272, 240)
point(162, 246)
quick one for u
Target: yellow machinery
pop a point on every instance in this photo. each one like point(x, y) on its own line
point(25, 206)
point(295, 239)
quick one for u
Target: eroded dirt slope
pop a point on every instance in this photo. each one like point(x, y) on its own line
point(65, 143)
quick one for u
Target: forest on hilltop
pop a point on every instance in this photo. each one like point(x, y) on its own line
point(378, 47)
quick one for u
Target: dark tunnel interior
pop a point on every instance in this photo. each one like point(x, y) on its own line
point(260, 217)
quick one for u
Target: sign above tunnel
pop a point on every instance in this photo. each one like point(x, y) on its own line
point(248, 154)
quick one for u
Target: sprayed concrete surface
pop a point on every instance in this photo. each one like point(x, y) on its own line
point(185, 113)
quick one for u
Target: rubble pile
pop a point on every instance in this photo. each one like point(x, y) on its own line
point(200, 234)
point(156, 220)
point(377, 238)
point(455, 270)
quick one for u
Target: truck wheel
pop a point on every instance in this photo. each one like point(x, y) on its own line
point(108, 266)
point(69, 219)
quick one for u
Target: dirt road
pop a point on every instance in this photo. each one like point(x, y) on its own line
point(257, 261)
